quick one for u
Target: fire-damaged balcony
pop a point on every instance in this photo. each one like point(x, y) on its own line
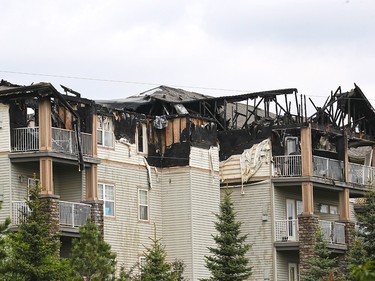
point(64, 141)
point(287, 234)
point(291, 166)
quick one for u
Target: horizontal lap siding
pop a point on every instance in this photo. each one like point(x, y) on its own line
point(124, 232)
point(283, 258)
point(204, 158)
point(281, 195)
point(205, 199)
point(5, 128)
point(5, 189)
point(120, 153)
point(328, 198)
point(27, 170)
point(250, 207)
point(69, 183)
point(176, 209)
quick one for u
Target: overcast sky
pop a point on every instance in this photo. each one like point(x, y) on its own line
point(239, 46)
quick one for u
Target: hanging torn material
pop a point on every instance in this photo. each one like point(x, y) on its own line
point(160, 122)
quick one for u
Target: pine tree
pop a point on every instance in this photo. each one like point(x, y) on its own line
point(3, 228)
point(322, 266)
point(91, 256)
point(227, 261)
point(156, 268)
point(32, 251)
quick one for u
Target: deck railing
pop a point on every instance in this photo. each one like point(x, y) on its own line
point(65, 141)
point(288, 166)
point(361, 174)
point(328, 168)
point(70, 214)
point(286, 230)
point(73, 214)
point(333, 232)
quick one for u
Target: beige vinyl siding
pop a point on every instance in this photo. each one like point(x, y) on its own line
point(69, 183)
point(330, 198)
point(5, 189)
point(283, 258)
point(205, 199)
point(126, 234)
point(5, 127)
point(177, 220)
point(250, 207)
point(120, 153)
point(204, 158)
point(26, 170)
point(281, 195)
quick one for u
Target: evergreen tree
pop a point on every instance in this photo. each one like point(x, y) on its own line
point(3, 228)
point(91, 256)
point(322, 266)
point(178, 268)
point(32, 252)
point(227, 261)
point(156, 268)
point(366, 223)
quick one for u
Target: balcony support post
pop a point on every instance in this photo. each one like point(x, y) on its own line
point(344, 205)
point(46, 175)
point(45, 124)
point(92, 182)
point(94, 136)
point(346, 158)
point(307, 198)
point(51, 207)
point(306, 151)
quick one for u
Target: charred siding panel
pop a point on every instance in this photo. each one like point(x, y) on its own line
point(175, 155)
point(205, 198)
point(5, 128)
point(176, 209)
point(125, 232)
point(250, 207)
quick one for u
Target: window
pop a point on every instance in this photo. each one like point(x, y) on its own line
point(293, 272)
point(143, 204)
point(333, 210)
point(106, 192)
point(299, 207)
point(141, 138)
point(324, 208)
point(105, 131)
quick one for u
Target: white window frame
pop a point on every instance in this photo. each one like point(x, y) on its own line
point(333, 210)
point(293, 271)
point(324, 208)
point(143, 127)
point(142, 262)
point(105, 128)
point(30, 182)
point(143, 205)
point(104, 198)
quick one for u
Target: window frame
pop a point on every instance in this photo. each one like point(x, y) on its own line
point(102, 132)
point(143, 127)
point(140, 190)
point(104, 199)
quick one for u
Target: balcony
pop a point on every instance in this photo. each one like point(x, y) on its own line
point(71, 215)
point(64, 141)
point(291, 166)
point(287, 231)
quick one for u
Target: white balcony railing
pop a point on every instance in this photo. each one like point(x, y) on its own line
point(286, 230)
point(361, 174)
point(70, 214)
point(65, 141)
point(288, 166)
point(328, 168)
point(73, 214)
point(333, 232)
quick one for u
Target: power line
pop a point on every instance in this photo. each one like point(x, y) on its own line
point(117, 81)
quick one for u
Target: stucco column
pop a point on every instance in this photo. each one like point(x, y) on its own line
point(94, 135)
point(45, 124)
point(46, 175)
point(92, 182)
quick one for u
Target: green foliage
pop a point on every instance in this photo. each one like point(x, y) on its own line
point(91, 256)
point(177, 270)
point(322, 266)
point(3, 230)
point(364, 272)
point(32, 252)
point(129, 275)
point(156, 268)
point(227, 261)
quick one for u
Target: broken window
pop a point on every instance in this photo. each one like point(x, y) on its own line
point(105, 131)
point(141, 138)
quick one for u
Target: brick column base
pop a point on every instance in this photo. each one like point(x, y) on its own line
point(51, 207)
point(307, 225)
point(97, 213)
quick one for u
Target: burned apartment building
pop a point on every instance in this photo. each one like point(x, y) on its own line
point(161, 159)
